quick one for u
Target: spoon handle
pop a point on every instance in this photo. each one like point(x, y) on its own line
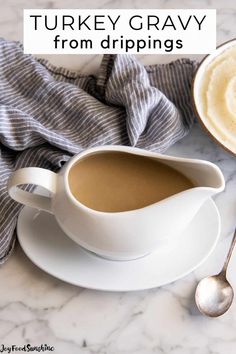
point(233, 242)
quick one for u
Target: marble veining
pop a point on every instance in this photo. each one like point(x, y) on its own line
point(35, 308)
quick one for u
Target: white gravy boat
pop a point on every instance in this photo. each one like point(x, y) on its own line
point(120, 235)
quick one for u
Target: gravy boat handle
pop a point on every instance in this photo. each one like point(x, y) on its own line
point(37, 176)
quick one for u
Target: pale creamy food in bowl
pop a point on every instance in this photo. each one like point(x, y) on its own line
point(214, 94)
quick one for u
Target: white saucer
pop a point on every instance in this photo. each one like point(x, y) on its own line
point(51, 250)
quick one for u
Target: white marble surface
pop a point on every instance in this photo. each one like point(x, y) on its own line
point(36, 308)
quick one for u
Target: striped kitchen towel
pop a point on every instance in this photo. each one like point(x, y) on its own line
point(47, 114)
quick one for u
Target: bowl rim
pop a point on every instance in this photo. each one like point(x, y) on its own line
point(195, 109)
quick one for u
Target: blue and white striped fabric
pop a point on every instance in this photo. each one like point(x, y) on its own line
point(47, 114)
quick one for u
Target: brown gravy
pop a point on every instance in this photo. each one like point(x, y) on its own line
point(118, 181)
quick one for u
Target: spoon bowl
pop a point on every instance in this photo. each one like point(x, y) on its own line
point(214, 295)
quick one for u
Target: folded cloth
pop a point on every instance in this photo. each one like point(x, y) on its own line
point(47, 114)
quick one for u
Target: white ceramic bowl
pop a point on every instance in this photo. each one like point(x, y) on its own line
point(197, 98)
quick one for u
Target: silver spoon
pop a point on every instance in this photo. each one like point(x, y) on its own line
point(214, 294)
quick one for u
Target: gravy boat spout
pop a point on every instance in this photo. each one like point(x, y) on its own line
point(208, 180)
point(207, 177)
